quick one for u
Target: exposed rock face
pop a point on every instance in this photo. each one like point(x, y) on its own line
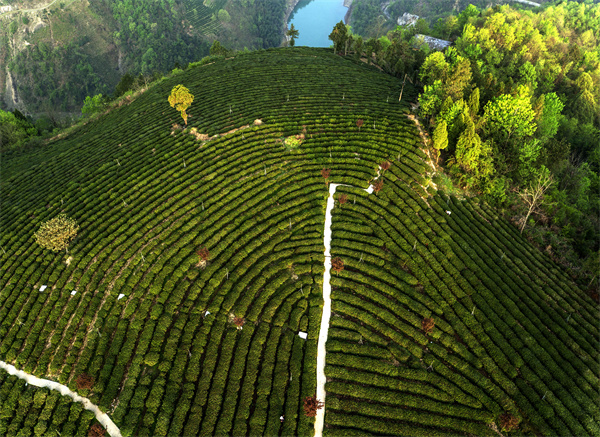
point(407, 19)
point(434, 43)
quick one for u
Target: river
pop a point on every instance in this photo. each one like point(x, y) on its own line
point(315, 19)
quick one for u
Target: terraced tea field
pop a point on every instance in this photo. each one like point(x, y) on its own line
point(202, 15)
point(179, 347)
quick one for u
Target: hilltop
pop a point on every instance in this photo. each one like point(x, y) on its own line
point(445, 320)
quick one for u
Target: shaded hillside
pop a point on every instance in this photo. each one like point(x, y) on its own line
point(57, 53)
point(158, 329)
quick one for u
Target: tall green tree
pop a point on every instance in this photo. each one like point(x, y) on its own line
point(508, 120)
point(440, 137)
point(473, 155)
point(339, 35)
point(292, 33)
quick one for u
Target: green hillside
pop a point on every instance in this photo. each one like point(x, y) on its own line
point(159, 334)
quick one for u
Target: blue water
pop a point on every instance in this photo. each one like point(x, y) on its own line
point(315, 19)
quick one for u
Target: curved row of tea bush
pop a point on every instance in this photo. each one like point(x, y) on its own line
point(131, 307)
point(33, 411)
point(512, 333)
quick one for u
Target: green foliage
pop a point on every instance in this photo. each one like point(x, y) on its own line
point(474, 103)
point(125, 84)
point(223, 16)
point(509, 119)
point(219, 50)
point(61, 77)
point(533, 103)
point(440, 136)
point(474, 155)
point(292, 33)
point(15, 130)
point(93, 104)
point(339, 36)
point(552, 108)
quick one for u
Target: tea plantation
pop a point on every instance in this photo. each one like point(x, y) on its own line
point(181, 347)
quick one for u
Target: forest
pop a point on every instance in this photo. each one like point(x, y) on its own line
point(516, 101)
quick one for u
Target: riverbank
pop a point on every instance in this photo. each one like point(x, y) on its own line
point(290, 8)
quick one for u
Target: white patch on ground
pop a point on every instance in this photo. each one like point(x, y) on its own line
point(108, 424)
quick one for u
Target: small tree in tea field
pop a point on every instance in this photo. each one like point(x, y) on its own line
point(508, 422)
point(377, 186)
point(311, 405)
point(239, 322)
point(181, 99)
point(385, 165)
point(57, 233)
point(427, 325)
point(84, 381)
point(343, 199)
point(337, 264)
point(325, 173)
point(359, 123)
point(96, 431)
point(203, 256)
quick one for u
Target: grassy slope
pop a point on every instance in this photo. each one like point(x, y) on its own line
point(147, 196)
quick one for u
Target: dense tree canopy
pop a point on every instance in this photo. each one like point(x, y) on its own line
point(520, 94)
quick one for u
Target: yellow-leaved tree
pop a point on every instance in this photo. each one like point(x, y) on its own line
point(57, 233)
point(181, 99)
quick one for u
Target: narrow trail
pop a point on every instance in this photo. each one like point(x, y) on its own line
point(320, 418)
point(103, 418)
point(14, 11)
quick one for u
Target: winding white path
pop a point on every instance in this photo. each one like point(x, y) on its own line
point(320, 418)
point(103, 418)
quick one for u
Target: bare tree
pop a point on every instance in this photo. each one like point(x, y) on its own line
point(337, 264)
point(427, 324)
point(203, 256)
point(311, 405)
point(84, 381)
point(534, 193)
point(96, 431)
point(508, 422)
